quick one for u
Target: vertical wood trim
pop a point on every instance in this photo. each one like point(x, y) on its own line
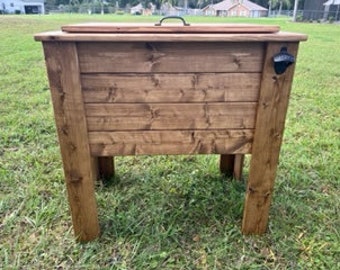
point(63, 72)
point(272, 108)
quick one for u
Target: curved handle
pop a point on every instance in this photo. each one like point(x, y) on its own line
point(282, 61)
point(172, 17)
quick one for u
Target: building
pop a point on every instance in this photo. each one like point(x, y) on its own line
point(332, 10)
point(22, 7)
point(137, 10)
point(235, 8)
point(321, 9)
point(168, 10)
point(140, 10)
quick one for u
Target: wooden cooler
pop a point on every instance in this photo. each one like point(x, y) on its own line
point(143, 89)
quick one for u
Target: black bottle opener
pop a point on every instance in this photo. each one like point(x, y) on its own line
point(282, 61)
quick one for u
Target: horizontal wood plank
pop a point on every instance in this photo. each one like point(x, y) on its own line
point(145, 57)
point(174, 136)
point(143, 123)
point(169, 116)
point(170, 110)
point(171, 37)
point(206, 87)
point(169, 28)
point(171, 142)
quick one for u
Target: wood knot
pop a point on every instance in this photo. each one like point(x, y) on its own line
point(75, 177)
point(155, 81)
point(265, 105)
point(251, 190)
point(64, 129)
point(150, 46)
point(237, 61)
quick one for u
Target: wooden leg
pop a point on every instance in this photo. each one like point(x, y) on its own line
point(238, 166)
point(232, 165)
point(81, 197)
point(273, 103)
point(227, 164)
point(106, 168)
point(72, 132)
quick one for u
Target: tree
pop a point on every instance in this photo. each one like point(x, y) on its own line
point(285, 2)
point(296, 3)
point(278, 3)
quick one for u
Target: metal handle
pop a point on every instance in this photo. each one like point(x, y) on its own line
point(282, 61)
point(172, 17)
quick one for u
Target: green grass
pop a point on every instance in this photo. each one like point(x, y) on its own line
point(168, 212)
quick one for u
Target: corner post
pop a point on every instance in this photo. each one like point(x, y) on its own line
point(269, 127)
point(64, 77)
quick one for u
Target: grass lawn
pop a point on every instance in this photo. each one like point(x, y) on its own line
point(168, 212)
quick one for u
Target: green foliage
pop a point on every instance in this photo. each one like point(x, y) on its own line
point(167, 212)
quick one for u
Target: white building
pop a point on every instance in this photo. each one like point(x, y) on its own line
point(22, 7)
point(137, 10)
point(239, 8)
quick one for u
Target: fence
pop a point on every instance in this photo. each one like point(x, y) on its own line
point(302, 15)
point(312, 15)
point(110, 9)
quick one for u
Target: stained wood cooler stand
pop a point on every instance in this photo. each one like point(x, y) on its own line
point(142, 89)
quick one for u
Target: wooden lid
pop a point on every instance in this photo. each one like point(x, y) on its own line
point(180, 31)
point(167, 28)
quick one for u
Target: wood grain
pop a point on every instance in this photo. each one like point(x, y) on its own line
point(141, 57)
point(168, 28)
point(197, 87)
point(238, 166)
point(167, 116)
point(171, 37)
point(270, 119)
point(170, 110)
point(72, 132)
point(170, 142)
